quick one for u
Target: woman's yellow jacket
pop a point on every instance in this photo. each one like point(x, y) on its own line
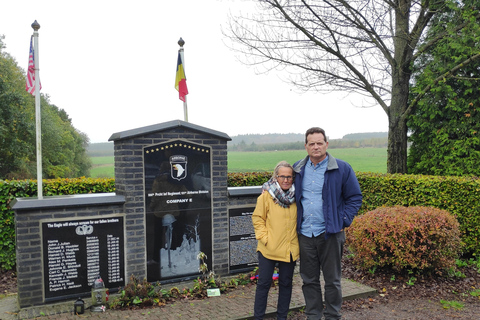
point(275, 229)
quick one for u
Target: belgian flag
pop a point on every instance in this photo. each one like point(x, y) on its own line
point(181, 80)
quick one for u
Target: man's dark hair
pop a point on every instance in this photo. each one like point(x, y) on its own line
point(315, 130)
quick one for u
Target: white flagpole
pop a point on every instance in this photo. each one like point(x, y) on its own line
point(185, 112)
point(181, 42)
point(35, 27)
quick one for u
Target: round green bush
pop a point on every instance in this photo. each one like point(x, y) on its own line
point(405, 238)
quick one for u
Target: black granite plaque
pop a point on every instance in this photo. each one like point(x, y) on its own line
point(242, 242)
point(75, 252)
point(178, 206)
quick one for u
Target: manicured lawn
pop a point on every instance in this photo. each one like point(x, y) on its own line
point(102, 167)
point(361, 160)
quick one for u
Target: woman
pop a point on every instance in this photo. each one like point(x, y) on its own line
point(275, 223)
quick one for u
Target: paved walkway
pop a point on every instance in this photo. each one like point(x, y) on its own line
point(236, 305)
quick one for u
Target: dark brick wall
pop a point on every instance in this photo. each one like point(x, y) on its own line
point(129, 182)
point(28, 213)
point(129, 200)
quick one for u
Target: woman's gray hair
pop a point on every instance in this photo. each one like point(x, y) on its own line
point(282, 164)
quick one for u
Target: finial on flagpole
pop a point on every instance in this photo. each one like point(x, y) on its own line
point(36, 26)
point(181, 42)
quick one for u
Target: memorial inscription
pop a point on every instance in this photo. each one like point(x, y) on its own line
point(178, 207)
point(75, 252)
point(243, 244)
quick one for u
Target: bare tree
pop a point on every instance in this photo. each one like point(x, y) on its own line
point(362, 46)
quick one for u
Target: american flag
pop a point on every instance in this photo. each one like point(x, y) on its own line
point(30, 86)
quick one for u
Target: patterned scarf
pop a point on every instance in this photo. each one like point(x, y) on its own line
point(282, 198)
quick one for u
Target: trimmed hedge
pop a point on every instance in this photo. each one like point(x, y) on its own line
point(458, 195)
point(246, 179)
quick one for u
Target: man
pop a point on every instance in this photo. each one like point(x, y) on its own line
point(328, 197)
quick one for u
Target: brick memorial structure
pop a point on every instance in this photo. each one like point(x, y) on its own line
point(155, 187)
point(171, 202)
point(64, 242)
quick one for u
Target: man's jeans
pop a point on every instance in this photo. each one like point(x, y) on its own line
point(320, 254)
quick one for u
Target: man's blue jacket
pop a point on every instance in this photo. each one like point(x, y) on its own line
point(341, 193)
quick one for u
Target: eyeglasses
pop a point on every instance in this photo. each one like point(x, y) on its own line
point(285, 177)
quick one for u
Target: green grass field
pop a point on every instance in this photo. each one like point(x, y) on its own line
point(102, 167)
point(361, 159)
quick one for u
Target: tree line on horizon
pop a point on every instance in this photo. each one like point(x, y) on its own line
point(291, 141)
point(272, 142)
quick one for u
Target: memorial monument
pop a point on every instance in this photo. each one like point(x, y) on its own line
point(178, 206)
point(171, 202)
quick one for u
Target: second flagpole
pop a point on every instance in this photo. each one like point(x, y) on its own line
point(181, 42)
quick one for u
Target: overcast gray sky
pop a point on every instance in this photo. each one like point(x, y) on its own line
point(111, 66)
